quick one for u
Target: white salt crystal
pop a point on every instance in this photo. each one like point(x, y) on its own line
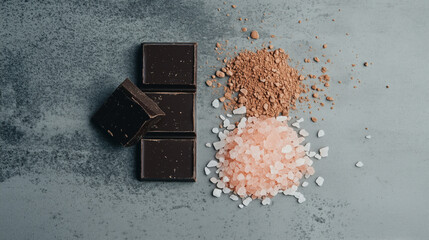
point(222, 135)
point(317, 156)
point(304, 184)
point(320, 180)
point(220, 184)
point(229, 115)
point(240, 110)
point(247, 201)
point(300, 120)
point(231, 127)
point(290, 191)
point(301, 199)
point(287, 149)
point(222, 117)
point(225, 179)
point(311, 154)
point(215, 103)
point(303, 133)
point(266, 201)
point(218, 170)
point(217, 192)
point(324, 151)
point(212, 163)
point(240, 205)
point(208, 145)
point(320, 133)
point(226, 190)
point(215, 130)
point(226, 122)
point(242, 123)
point(368, 136)
point(207, 171)
point(359, 164)
point(281, 118)
point(234, 197)
point(296, 124)
point(307, 147)
point(214, 180)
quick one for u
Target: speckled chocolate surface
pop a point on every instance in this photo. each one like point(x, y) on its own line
point(61, 178)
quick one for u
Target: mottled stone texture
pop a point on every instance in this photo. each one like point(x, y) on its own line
point(62, 178)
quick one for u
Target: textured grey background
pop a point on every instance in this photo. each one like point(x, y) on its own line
point(60, 178)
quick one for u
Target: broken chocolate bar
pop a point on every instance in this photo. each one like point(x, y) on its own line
point(128, 114)
point(168, 159)
point(169, 65)
point(179, 108)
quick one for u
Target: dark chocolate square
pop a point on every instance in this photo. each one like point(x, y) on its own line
point(127, 114)
point(169, 64)
point(168, 159)
point(179, 109)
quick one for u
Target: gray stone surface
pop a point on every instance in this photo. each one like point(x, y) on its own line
point(61, 178)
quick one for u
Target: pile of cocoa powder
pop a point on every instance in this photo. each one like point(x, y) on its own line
point(263, 81)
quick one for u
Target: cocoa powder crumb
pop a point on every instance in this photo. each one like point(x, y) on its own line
point(324, 70)
point(329, 99)
point(243, 29)
point(220, 74)
point(299, 21)
point(365, 64)
point(313, 119)
point(306, 60)
point(316, 59)
point(209, 83)
point(387, 86)
point(325, 46)
point(254, 34)
point(233, 6)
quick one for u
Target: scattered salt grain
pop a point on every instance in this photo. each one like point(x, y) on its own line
point(212, 163)
point(319, 181)
point(266, 201)
point(215, 130)
point(217, 192)
point(240, 110)
point(226, 122)
point(208, 145)
point(359, 164)
point(304, 184)
point(226, 190)
point(303, 133)
point(240, 205)
point(317, 156)
point(215, 103)
point(368, 137)
point(296, 124)
point(234, 197)
point(324, 151)
point(290, 191)
point(246, 201)
point(231, 127)
point(301, 199)
point(307, 147)
point(229, 115)
point(207, 171)
point(311, 154)
point(222, 135)
point(214, 180)
point(220, 184)
point(222, 117)
point(300, 120)
point(320, 133)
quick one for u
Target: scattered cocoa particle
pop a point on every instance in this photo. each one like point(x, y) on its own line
point(313, 119)
point(227, 14)
point(233, 6)
point(243, 29)
point(213, 76)
point(219, 85)
point(317, 37)
point(365, 64)
point(333, 20)
point(329, 99)
point(323, 69)
point(306, 60)
point(220, 74)
point(366, 128)
point(299, 21)
point(353, 65)
point(254, 34)
point(387, 86)
point(218, 45)
point(326, 84)
point(271, 47)
point(354, 87)
point(209, 83)
point(246, 19)
point(339, 82)
point(222, 99)
point(322, 104)
point(325, 46)
point(229, 73)
point(273, 36)
point(316, 59)
point(329, 60)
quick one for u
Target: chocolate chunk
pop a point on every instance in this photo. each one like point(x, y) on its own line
point(127, 114)
point(169, 65)
point(168, 159)
point(179, 108)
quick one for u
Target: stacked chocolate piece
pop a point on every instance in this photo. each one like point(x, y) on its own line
point(168, 150)
point(162, 112)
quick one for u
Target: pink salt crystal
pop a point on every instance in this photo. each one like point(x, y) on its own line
point(253, 160)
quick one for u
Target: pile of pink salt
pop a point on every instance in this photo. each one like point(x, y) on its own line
point(262, 157)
